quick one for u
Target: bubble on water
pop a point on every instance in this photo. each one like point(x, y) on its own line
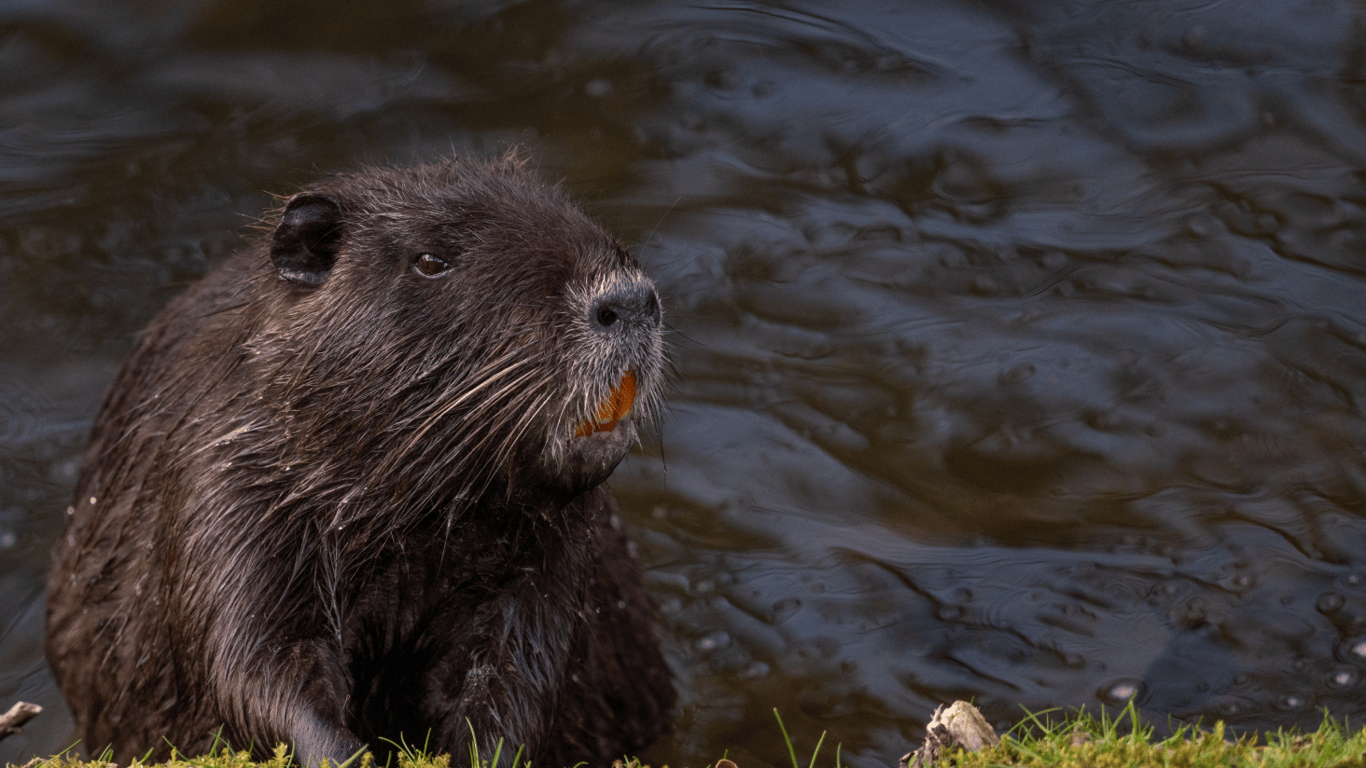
point(1352, 649)
point(1343, 677)
point(713, 640)
point(1329, 602)
point(784, 609)
point(671, 606)
point(1118, 692)
point(754, 670)
point(1291, 701)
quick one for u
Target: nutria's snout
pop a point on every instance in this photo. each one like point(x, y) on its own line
point(635, 305)
point(620, 349)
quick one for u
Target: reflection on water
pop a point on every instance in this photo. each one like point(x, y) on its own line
point(1022, 349)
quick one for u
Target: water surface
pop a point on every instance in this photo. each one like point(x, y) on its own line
point(1021, 347)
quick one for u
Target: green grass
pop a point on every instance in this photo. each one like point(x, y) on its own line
point(1082, 741)
point(1076, 740)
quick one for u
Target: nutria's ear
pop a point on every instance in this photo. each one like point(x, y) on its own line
point(305, 244)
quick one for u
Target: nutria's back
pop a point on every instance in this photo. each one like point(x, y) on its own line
point(348, 487)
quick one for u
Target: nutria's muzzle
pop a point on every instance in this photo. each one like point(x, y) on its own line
point(601, 442)
point(592, 457)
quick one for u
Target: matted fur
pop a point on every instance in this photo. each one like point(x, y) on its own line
point(330, 500)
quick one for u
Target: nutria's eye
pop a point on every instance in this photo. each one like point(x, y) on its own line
point(428, 265)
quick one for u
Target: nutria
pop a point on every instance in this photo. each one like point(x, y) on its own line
point(347, 490)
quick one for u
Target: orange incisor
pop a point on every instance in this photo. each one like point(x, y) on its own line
point(616, 407)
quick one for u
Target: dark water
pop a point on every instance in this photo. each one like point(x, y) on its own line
point(1022, 345)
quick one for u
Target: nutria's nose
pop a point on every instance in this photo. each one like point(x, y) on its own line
point(623, 307)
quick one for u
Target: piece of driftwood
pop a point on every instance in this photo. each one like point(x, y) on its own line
point(958, 725)
point(13, 721)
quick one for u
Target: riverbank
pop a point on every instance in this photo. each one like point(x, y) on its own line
point(1045, 739)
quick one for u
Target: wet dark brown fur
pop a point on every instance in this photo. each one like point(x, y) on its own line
point(335, 495)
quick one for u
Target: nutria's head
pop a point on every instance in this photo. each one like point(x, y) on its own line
point(434, 335)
